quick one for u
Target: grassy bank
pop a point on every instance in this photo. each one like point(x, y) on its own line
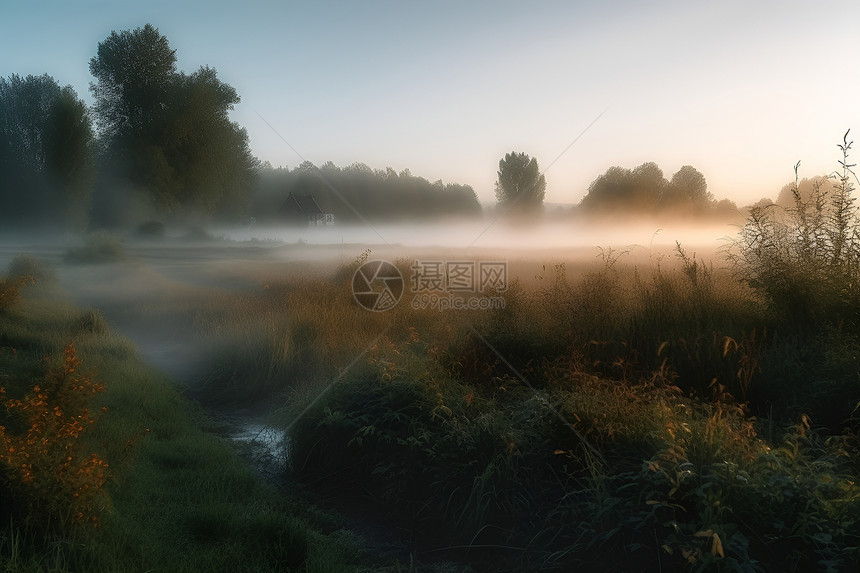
point(168, 493)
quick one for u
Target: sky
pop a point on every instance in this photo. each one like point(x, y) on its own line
point(740, 90)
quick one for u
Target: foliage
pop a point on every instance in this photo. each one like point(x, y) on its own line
point(520, 184)
point(687, 191)
point(515, 437)
point(24, 266)
point(635, 190)
point(22, 271)
point(48, 478)
point(644, 190)
point(46, 154)
point(10, 291)
point(357, 192)
point(133, 70)
point(169, 132)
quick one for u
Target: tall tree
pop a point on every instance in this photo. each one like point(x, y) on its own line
point(168, 132)
point(520, 184)
point(134, 72)
point(46, 153)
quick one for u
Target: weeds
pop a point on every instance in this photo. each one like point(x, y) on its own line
point(806, 258)
point(663, 366)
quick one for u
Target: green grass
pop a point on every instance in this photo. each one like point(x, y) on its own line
point(180, 498)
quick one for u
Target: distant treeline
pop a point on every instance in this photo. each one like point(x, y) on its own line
point(158, 145)
point(358, 192)
point(644, 190)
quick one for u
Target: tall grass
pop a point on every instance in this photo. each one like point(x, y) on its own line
point(526, 444)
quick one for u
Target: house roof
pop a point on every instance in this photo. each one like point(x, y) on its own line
point(304, 203)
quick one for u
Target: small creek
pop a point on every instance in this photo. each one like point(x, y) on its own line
point(125, 295)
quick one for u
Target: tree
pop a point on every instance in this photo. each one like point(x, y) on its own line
point(520, 183)
point(687, 191)
point(359, 193)
point(167, 132)
point(46, 153)
point(637, 190)
point(690, 181)
point(818, 184)
point(134, 70)
point(214, 168)
point(648, 185)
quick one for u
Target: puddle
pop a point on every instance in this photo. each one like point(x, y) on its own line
point(265, 446)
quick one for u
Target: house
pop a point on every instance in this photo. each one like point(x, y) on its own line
point(303, 210)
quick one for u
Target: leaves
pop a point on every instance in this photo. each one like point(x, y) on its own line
point(55, 482)
point(170, 131)
point(47, 148)
point(520, 183)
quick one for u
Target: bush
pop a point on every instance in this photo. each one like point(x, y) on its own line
point(49, 480)
point(10, 290)
point(8, 293)
point(99, 248)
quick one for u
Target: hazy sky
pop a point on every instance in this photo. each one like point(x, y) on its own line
point(740, 90)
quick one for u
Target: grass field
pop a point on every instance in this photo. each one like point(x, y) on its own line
point(618, 413)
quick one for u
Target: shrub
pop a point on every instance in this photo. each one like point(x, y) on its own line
point(10, 290)
point(50, 481)
point(8, 293)
point(99, 248)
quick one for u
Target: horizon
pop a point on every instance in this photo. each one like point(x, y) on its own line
point(729, 90)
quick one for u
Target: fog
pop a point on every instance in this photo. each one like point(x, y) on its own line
point(502, 235)
point(156, 292)
point(238, 248)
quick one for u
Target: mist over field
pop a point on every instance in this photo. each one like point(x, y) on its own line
point(499, 234)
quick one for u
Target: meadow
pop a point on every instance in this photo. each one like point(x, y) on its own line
point(629, 412)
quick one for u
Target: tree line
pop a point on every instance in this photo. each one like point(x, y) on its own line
point(158, 143)
point(359, 192)
point(644, 190)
